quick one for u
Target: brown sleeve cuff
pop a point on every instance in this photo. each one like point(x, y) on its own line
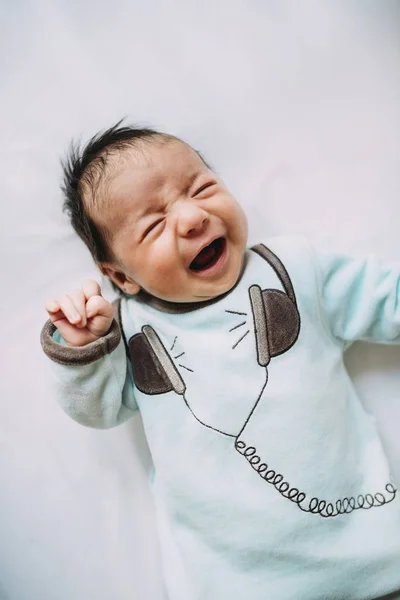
point(78, 355)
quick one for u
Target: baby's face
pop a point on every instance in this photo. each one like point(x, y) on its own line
point(177, 232)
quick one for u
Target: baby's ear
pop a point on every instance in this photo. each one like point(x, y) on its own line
point(125, 283)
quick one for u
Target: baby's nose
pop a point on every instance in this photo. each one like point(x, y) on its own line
point(192, 220)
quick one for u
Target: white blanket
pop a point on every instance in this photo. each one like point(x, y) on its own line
point(296, 104)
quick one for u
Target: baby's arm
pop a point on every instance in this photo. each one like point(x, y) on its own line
point(360, 298)
point(83, 341)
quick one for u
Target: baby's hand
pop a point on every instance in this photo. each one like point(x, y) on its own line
point(83, 316)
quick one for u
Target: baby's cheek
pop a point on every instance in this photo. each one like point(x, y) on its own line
point(163, 276)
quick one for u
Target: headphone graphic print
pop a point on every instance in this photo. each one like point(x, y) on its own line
point(276, 326)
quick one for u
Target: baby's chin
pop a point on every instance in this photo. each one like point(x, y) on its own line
point(228, 283)
point(205, 293)
point(194, 295)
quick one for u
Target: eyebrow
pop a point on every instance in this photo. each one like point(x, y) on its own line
point(151, 206)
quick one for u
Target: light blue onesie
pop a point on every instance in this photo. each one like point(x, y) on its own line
point(270, 478)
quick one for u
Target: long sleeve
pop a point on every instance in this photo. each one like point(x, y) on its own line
point(359, 298)
point(93, 383)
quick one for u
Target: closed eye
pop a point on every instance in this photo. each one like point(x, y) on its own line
point(151, 227)
point(204, 187)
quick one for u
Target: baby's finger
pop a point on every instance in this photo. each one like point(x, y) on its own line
point(54, 311)
point(97, 305)
point(69, 309)
point(57, 317)
point(79, 300)
point(91, 288)
point(51, 305)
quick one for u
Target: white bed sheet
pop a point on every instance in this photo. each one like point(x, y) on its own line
point(296, 105)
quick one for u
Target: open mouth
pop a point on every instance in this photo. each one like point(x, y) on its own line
point(209, 256)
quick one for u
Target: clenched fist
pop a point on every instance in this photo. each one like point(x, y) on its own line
point(83, 316)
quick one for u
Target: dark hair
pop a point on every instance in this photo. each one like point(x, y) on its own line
point(85, 167)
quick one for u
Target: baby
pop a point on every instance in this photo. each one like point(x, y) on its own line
point(270, 478)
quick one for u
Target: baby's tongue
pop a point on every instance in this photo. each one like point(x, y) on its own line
point(204, 257)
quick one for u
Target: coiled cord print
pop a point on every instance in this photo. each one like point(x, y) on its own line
point(314, 505)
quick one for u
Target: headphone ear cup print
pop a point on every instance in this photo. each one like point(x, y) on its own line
point(276, 322)
point(152, 368)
